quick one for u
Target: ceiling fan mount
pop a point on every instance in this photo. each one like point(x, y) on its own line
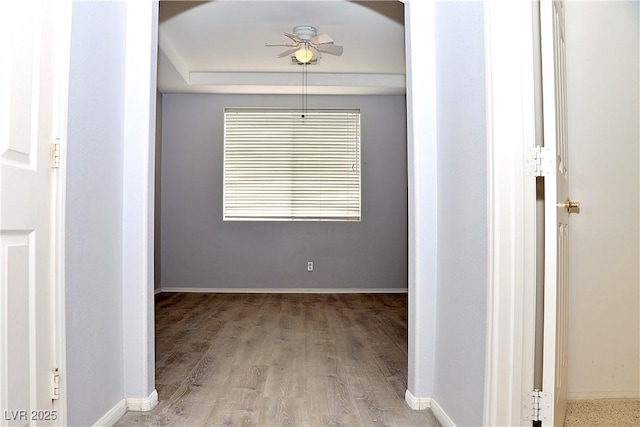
point(305, 32)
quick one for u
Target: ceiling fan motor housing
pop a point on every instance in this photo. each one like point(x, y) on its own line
point(305, 32)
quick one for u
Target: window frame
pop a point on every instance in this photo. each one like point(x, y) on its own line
point(347, 192)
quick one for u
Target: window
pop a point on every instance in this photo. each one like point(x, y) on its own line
point(279, 165)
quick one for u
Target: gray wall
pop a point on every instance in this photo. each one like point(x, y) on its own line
point(462, 207)
point(94, 211)
point(200, 250)
point(157, 258)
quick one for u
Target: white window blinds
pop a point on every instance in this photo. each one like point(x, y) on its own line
point(281, 166)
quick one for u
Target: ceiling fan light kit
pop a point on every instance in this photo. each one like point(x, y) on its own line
point(304, 55)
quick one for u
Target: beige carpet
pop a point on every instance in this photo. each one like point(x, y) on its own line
point(603, 413)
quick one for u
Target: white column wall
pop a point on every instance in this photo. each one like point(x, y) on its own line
point(423, 172)
point(138, 202)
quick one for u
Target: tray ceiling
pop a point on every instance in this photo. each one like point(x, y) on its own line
point(219, 47)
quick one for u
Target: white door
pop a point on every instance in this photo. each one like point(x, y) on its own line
point(554, 369)
point(33, 49)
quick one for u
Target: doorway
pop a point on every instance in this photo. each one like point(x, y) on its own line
point(382, 111)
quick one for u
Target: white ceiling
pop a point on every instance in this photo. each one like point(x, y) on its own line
point(219, 47)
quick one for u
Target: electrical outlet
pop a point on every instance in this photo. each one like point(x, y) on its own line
point(310, 266)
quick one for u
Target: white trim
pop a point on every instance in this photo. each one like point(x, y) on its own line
point(156, 291)
point(441, 415)
point(134, 404)
point(421, 403)
point(113, 415)
point(511, 211)
point(62, 18)
point(592, 395)
point(289, 290)
point(142, 404)
point(288, 82)
point(417, 403)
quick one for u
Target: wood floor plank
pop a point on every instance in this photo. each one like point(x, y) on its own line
point(281, 360)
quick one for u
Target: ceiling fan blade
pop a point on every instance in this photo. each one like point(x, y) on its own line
point(321, 39)
point(281, 45)
point(287, 52)
point(294, 38)
point(316, 53)
point(333, 49)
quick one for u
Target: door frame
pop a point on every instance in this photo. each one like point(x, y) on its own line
point(63, 17)
point(511, 284)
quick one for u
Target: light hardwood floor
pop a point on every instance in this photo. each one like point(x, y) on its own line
point(281, 360)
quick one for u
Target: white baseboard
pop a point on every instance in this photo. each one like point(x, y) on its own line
point(156, 291)
point(113, 415)
point(420, 403)
point(127, 404)
point(142, 404)
point(442, 416)
point(290, 290)
point(592, 395)
point(417, 403)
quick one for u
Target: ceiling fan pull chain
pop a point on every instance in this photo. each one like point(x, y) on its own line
point(306, 88)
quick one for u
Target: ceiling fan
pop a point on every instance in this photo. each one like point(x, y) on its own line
point(307, 45)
